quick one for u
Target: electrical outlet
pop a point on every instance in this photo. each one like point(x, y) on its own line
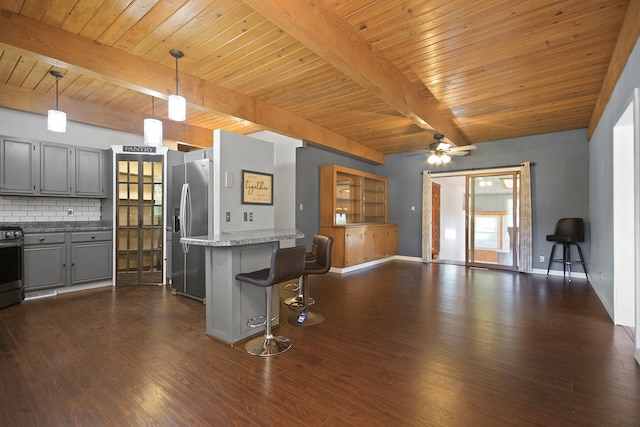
point(250, 216)
point(541, 258)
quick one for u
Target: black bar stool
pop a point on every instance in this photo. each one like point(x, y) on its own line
point(321, 265)
point(308, 257)
point(286, 264)
point(568, 232)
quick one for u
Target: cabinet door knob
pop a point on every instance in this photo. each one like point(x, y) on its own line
point(42, 239)
point(93, 236)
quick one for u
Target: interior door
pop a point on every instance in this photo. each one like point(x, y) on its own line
point(139, 219)
point(492, 220)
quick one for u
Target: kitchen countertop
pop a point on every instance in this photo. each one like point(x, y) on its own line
point(239, 238)
point(61, 226)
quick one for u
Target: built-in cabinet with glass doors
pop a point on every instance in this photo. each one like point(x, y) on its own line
point(353, 210)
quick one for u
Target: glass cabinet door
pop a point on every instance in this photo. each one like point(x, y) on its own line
point(348, 199)
point(374, 201)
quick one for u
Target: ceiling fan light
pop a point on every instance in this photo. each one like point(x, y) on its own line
point(445, 158)
point(57, 121)
point(433, 159)
point(153, 132)
point(177, 108)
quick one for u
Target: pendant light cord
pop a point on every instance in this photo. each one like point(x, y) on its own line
point(176, 75)
point(57, 78)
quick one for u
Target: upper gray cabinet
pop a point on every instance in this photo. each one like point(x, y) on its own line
point(55, 169)
point(35, 168)
point(17, 158)
point(89, 172)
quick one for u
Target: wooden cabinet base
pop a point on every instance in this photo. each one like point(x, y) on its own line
point(355, 244)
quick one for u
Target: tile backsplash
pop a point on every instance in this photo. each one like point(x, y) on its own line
point(38, 209)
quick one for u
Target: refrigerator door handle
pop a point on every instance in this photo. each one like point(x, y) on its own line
point(185, 215)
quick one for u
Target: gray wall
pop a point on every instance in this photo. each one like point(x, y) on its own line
point(559, 184)
point(601, 181)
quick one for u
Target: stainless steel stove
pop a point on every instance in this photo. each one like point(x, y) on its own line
point(11, 265)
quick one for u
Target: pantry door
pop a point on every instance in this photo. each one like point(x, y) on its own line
point(139, 219)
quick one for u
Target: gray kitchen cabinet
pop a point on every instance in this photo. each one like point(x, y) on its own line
point(45, 260)
point(53, 260)
point(35, 168)
point(90, 256)
point(55, 169)
point(17, 171)
point(89, 172)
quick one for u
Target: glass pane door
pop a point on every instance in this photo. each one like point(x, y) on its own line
point(139, 219)
point(492, 220)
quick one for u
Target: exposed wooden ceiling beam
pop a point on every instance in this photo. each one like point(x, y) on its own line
point(98, 115)
point(71, 51)
point(627, 39)
point(330, 37)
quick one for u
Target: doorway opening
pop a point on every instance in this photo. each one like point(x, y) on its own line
point(139, 219)
point(475, 218)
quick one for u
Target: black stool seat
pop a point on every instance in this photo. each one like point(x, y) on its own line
point(321, 265)
point(286, 264)
point(568, 232)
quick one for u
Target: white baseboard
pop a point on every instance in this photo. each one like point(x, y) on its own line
point(576, 275)
point(344, 270)
point(36, 294)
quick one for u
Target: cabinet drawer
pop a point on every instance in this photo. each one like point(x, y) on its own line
point(43, 238)
point(90, 236)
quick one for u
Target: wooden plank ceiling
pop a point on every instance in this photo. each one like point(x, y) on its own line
point(364, 77)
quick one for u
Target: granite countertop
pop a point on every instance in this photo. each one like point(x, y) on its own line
point(61, 226)
point(249, 237)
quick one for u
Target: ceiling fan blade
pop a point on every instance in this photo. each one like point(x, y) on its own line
point(462, 148)
point(417, 153)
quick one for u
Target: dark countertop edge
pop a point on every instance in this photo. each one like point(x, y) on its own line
point(61, 227)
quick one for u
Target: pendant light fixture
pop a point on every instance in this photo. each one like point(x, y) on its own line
point(177, 103)
point(153, 128)
point(56, 119)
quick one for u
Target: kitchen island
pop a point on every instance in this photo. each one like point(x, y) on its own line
point(229, 303)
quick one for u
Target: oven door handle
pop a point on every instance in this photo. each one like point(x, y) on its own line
point(12, 243)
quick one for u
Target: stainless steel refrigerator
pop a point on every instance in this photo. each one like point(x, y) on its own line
point(192, 209)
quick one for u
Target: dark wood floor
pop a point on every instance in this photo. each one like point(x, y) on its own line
point(404, 344)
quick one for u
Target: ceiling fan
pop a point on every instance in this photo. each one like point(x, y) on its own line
point(442, 151)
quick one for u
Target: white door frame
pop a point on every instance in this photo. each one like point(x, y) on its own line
point(626, 214)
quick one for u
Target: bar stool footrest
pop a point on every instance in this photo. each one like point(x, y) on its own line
point(296, 303)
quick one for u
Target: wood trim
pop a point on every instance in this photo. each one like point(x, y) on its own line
point(330, 37)
point(629, 34)
point(73, 52)
point(98, 115)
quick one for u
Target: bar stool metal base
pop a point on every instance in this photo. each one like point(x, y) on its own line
point(267, 346)
point(311, 319)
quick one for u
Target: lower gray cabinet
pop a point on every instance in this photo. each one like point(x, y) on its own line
point(45, 260)
point(61, 259)
point(90, 256)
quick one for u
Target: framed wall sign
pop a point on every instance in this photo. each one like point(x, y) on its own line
point(257, 188)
